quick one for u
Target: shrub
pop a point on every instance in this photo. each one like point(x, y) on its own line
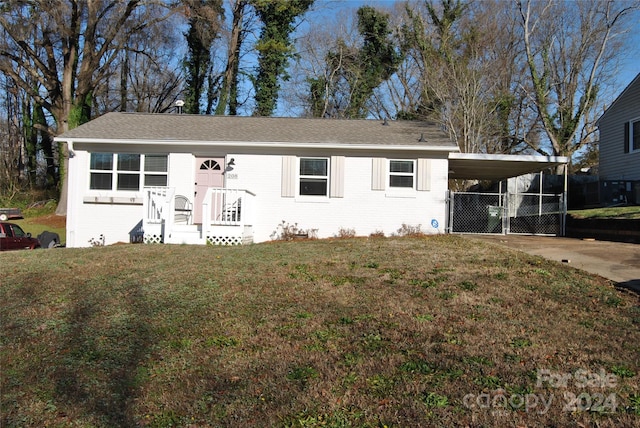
point(289, 232)
point(346, 233)
point(409, 230)
point(97, 242)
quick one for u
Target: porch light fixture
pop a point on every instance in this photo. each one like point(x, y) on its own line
point(422, 139)
point(229, 166)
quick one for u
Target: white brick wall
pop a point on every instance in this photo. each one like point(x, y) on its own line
point(362, 209)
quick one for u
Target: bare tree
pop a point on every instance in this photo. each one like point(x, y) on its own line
point(228, 98)
point(571, 48)
point(204, 18)
point(322, 36)
point(463, 70)
point(11, 139)
point(346, 66)
point(146, 77)
point(68, 47)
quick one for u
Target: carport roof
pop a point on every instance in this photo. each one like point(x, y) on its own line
point(475, 166)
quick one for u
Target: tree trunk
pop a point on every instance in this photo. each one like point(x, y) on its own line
point(229, 90)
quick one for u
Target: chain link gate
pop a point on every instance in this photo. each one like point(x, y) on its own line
point(505, 213)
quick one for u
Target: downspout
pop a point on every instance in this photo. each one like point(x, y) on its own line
point(70, 237)
point(564, 199)
point(447, 205)
point(541, 195)
point(503, 208)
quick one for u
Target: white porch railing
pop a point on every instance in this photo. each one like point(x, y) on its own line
point(158, 206)
point(225, 212)
point(226, 207)
point(154, 202)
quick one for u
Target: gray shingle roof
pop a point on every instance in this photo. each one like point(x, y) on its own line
point(200, 128)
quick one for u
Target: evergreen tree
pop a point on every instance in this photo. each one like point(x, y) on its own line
point(274, 48)
point(377, 59)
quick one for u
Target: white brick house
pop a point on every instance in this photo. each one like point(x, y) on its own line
point(244, 176)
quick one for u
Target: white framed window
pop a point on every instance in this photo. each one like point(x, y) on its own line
point(127, 171)
point(632, 136)
point(402, 173)
point(396, 174)
point(155, 170)
point(314, 176)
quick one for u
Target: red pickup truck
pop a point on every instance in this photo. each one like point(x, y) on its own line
point(12, 237)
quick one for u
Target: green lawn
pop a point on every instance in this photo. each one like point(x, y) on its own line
point(36, 226)
point(403, 332)
point(628, 212)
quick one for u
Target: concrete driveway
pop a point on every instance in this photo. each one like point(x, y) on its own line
point(616, 261)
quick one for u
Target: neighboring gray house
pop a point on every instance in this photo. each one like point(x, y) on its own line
point(619, 127)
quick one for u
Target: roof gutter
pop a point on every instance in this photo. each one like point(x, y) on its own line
point(199, 143)
point(508, 158)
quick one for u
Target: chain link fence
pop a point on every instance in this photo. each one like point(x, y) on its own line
point(537, 214)
point(475, 212)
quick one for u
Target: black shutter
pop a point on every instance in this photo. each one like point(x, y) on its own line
point(626, 137)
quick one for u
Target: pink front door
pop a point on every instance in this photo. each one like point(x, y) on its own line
point(209, 173)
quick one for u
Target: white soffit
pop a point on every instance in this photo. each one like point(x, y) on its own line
point(476, 166)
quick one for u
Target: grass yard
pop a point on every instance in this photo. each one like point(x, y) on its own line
point(626, 212)
point(50, 222)
point(38, 216)
point(402, 332)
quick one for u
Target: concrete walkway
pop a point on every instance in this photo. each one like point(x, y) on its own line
point(616, 261)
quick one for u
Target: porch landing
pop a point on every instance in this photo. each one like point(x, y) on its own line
point(185, 234)
point(192, 234)
point(224, 217)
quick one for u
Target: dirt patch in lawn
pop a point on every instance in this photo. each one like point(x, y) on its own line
point(50, 220)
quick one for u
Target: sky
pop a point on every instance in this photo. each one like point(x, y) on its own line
point(629, 62)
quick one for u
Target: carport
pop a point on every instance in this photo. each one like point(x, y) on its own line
point(507, 211)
